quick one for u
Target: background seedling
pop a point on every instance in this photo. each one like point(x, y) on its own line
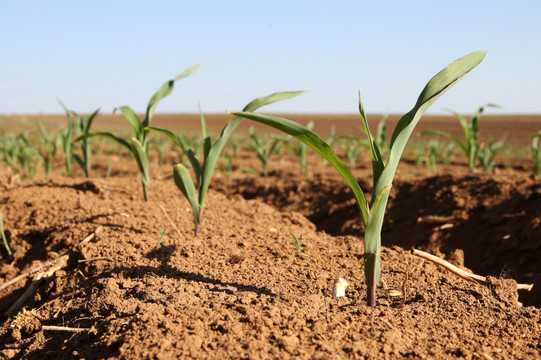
point(471, 145)
point(487, 154)
point(298, 246)
point(138, 146)
point(83, 129)
point(299, 149)
point(264, 149)
point(383, 174)
point(4, 239)
point(48, 147)
point(203, 170)
point(353, 148)
point(162, 234)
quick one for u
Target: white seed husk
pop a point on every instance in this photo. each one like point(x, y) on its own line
point(339, 288)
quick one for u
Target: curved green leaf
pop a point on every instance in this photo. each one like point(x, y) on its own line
point(214, 153)
point(183, 146)
point(185, 184)
point(134, 120)
point(447, 136)
point(141, 157)
point(375, 153)
point(436, 87)
point(109, 136)
point(165, 90)
point(309, 138)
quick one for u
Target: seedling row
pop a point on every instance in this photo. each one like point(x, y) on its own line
point(197, 157)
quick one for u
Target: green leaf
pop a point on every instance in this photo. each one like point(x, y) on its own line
point(165, 90)
point(272, 98)
point(436, 87)
point(186, 149)
point(109, 136)
point(309, 138)
point(185, 184)
point(216, 149)
point(142, 159)
point(377, 161)
point(134, 120)
point(447, 136)
point(207, 142)
point(89, 120)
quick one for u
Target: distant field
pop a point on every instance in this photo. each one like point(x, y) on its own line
point(515, 128)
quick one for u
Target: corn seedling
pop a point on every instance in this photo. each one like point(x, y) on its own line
point(160, 147)
point(264, 149)
point(433, 152)
point(48, 147)
point(353, 148)
point(471, 145)
point(2, 233)
point(66, 140)
point(300, 150)
point(487, 154)
point(138, 146)
point(82, 127)
point(298, 246)
point(227, 160)
point(162, 234)
point(196, 191)
point(536, 153)
point(373, 213)
point(381, 136)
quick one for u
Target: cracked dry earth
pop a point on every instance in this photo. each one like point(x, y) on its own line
point(241, 290)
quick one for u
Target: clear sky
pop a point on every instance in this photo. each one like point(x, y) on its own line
point(110, 53)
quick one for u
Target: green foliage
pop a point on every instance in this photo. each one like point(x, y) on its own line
point(432, 153)
point(471, 145)
point(82, 127)
point(49, 144)
point(2, 233)
point(138, 145)
point(196, 191)
point(17, 153)
point(383, 174)
point(353, 148)
point(299, 149)
point(298, 246)
point(264, 148)
point(487, 154)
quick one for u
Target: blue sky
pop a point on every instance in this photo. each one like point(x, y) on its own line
point(106, 54)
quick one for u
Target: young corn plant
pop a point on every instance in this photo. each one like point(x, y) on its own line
point(48, 147)
point(3, 235)
point(264, 149)
point(353, 148)
point(300, 150)
point(138, 146)
point(471, 145)
point(373, 212)
point(66, 142)
point(487, 154)
point(82, 126)
point(295, 242)
point(203, 170)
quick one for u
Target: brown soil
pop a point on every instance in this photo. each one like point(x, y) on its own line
point(514, 129)
point(240, 290)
